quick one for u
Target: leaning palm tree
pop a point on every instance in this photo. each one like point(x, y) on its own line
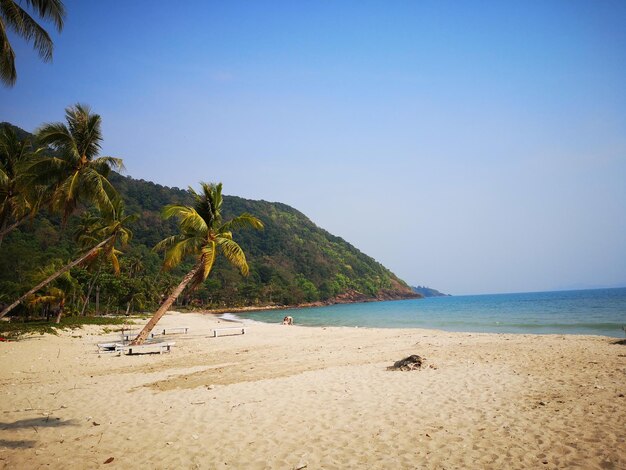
point(75, 172)
point(15, 18)
point(202, 235)
point(101, 235)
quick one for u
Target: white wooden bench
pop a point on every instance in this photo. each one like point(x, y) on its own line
point(144, 348)
point(129, 335)
point(174, 329)
point(108, 347)
point(235, 330)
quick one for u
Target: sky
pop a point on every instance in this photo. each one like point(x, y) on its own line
point(473, 147)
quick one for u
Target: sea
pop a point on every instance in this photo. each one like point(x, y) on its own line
point(584, 312)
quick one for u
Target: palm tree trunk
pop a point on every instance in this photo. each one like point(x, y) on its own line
point(97, 299)
point(55, 275)
point(2, 227)
point(91, 284)
point(141, 337)
point(60, 314)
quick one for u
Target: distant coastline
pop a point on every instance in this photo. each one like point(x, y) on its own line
point(351, 297)
point(428, 291)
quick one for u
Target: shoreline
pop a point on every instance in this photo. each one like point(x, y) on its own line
point(217, 312)
point(618, 339)
point(339, 301)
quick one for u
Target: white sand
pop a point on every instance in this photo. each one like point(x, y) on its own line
point(283, 397)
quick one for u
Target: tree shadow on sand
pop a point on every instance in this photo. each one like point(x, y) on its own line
point(34, 423)
point(6, 444)
point(46, 422)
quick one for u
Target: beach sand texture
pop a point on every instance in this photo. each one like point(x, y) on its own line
point(285, 397)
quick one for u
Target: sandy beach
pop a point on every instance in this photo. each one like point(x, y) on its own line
point(291, 397)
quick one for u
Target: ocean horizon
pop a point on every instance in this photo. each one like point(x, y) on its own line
point(584, 312)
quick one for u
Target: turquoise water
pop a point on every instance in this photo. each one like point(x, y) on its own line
point(594, 312)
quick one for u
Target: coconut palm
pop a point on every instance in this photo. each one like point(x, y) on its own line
point(203, 235)
point(54, 296)
point(52, 300)
point(101, 235)
point(75, 172)
point(15, 18)
point(16, 201)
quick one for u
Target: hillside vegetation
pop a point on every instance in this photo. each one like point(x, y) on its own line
point(292, 261)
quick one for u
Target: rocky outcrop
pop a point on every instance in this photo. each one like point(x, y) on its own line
point(353, 296)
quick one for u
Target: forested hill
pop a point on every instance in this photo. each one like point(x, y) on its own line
point(292, 261)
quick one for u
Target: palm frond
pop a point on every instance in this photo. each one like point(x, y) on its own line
point(8, 73)
point(234, 254)
point(61, 202)
point(189, 220)
point(73, 186)
point(52, 10)
point(176, 210)
point(177, 251)
point(41, 170)
point(244, 220)
point(24, 25)
point(14, 17)
point(85, 128)
point(114, 260)
point(57, 136)
point(209, 253)
point(15, 192)
point(209, 203)
point(104, 165)
point(174, 255)
point(94, 187)
point(168, 242)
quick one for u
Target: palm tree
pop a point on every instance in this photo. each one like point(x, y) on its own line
point(14, 17)
point(54, 296)
point(15, 194)
point(75, 172)
point(53, 299)
point(102, 235)
point(202, 235)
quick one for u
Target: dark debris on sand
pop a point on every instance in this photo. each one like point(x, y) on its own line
point(413, 362)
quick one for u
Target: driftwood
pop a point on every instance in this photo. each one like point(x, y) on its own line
point(412, 362)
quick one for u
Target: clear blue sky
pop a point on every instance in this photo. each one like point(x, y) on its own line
point(474, 147)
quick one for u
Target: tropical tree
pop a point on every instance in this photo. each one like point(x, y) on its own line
point(203, 235)
point(101, 235)
point(54, 296)
point(15, 194)
point(75, 172)
point(14, 17)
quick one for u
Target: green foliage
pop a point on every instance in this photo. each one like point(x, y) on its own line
point(291, 261)
point(74, 172)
